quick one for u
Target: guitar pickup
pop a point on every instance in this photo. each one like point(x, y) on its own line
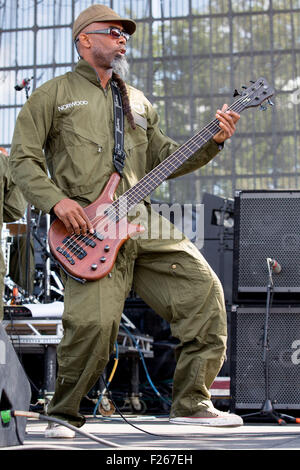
point(66, 255)
point(98, 236)
point(81, 254)
point(76, 249)
point(88, 241)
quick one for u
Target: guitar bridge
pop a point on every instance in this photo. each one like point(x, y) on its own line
point(65, 254)
point(76, 249)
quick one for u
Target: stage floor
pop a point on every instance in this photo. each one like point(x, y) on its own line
point(165, 437)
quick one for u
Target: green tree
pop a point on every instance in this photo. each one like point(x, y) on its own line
point(191, 67)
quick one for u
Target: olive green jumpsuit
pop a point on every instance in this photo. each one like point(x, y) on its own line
point(71, 119)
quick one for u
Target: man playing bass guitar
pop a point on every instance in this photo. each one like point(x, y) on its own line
point(67, 129)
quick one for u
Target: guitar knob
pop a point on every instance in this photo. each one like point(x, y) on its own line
point(106, 248)
point(94, 267)
point(103, 259)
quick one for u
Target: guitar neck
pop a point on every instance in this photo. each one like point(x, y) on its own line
point(167, 167)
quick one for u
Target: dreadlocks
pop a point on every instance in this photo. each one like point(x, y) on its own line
point(125, 99)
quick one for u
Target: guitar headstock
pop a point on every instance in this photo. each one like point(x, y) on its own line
point(255, 94)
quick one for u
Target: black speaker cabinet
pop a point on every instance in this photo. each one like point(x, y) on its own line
point(267, 225)
point(217, 246)
point(247, 370)
point(15, 393)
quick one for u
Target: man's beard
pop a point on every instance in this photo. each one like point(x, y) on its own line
point(120, 66)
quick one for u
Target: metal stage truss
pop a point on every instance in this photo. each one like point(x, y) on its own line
point(31, 336)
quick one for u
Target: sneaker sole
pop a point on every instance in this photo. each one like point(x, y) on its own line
point(59, 434)
point(217, 422)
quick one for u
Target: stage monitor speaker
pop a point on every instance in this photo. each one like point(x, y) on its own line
point(217, 246)
point(15, 393)
point(266, 226)
point(247, 366)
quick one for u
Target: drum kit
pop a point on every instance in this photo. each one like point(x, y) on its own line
point(31, 275)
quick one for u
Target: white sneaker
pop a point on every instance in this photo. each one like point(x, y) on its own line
point(209, 417)
point(59, 431)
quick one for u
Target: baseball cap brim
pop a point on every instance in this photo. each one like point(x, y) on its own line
point(100, 13)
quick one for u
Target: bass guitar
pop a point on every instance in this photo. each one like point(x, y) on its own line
point(92, 256)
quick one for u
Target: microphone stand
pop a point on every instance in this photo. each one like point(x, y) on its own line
point(267, 409)
point(28, 253)
point(28, 217)
point(28, 232)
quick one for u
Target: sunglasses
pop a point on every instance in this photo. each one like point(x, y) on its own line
point(112, 31)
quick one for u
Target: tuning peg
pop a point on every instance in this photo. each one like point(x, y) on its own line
point(244, 86)
point(271, 102)
point(236, 93)
point(263, 107)
point(252, 81)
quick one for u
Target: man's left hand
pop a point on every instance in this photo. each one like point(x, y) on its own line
point(227, 122)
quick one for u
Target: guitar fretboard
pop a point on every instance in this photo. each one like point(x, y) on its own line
point(167, 167)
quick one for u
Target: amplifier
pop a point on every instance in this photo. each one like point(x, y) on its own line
point(266, 226)
point(247, 367)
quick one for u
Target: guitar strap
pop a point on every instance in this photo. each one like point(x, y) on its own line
point(119, 154)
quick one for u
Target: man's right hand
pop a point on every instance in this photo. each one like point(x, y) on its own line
point(73, 217)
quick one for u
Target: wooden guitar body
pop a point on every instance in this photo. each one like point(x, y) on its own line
point(92, 256)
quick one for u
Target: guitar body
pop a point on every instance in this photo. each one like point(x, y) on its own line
point(92, 257)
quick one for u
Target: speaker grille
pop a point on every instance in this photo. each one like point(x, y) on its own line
point(268, 227)
point(248, 379)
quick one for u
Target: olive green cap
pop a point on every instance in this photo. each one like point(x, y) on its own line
point(96, 13)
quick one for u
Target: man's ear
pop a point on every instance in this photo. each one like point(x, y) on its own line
point(84, 40)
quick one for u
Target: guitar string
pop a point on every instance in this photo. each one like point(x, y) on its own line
point(157, 169)
point(166, 162)
point(75, 244)
point(113, 210)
